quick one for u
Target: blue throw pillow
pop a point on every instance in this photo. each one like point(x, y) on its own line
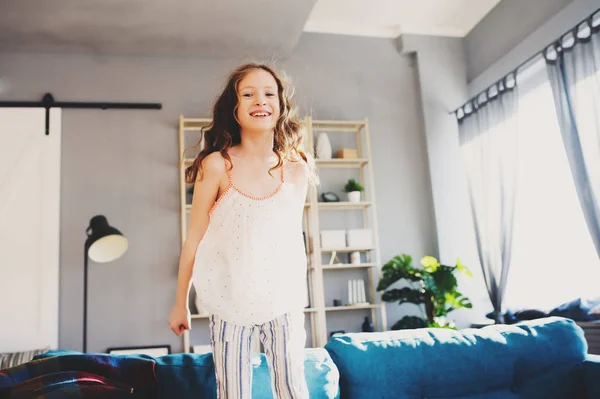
point(577, 309)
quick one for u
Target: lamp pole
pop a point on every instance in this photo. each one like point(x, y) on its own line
point(85, 296)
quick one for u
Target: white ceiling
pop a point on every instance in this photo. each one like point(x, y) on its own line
point(219, 28)
point(203, 28)
point(390, 18)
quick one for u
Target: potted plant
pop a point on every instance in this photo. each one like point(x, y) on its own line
point(353, 188)
point(433, 288)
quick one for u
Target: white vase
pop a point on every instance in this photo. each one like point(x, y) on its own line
point(324, 150)
point(354, 196)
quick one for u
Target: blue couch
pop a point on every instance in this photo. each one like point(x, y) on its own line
point(544, 358)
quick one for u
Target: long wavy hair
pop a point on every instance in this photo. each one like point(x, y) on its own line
point(224, 130)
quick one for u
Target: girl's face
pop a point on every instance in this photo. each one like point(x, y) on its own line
point(258, 101)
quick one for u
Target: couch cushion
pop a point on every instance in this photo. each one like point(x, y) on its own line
point(532, 359)
point(193, 376)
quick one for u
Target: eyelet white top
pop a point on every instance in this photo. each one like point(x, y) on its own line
point(250, 265)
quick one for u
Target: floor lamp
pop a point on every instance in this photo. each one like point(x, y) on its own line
point(104, 244)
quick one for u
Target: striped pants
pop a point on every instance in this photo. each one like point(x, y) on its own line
point(283, 340)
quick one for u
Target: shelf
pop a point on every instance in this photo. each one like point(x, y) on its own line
point(341, 163)
point(343, 205)
point(350, 307)
point(195, 123)
point(337, 126)
point(347, 249)
point(347, 266)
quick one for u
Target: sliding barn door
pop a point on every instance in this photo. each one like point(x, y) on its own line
point(29, 229)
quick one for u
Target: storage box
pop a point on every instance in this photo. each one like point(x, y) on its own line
point(346, 153)
point(333, 239)
point(360, 238)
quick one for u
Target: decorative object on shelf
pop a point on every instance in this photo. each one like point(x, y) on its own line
point(346, 153)
point(355, 258)
point(153, 350)
point(367, 326)
point(333, 238)
point(330, 197)
point(433, 287)
point(356, 292)
point(324, 150)
point(359, 238)
point(104, 244)
point(334, 260)
point(337, 302)
point(354, 190)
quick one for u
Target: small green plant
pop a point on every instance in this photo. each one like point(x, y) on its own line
point(353, 185)
point(433, 288)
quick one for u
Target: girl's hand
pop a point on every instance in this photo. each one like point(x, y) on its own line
point(180, 319)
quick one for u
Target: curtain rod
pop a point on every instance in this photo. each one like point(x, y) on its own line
point(530, 58)
point(48, 102)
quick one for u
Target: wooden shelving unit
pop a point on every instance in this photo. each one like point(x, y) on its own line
point(317, 312)
point(360, 130)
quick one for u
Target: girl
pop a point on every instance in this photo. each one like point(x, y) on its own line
point(244, 249)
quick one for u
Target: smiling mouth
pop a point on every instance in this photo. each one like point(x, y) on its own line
point(260, 114)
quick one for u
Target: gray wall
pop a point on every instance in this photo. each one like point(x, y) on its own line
point(438, 93)
point(542, 32)
point(503, 28)
point(123, 164)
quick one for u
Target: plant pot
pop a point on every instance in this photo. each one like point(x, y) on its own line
point(354, 196)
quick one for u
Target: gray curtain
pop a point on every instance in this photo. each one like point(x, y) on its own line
point(488, 135)
point(573, 65)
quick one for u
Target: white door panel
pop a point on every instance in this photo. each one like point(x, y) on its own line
point(29, 229)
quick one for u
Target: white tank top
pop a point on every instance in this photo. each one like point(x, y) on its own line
point(250, 265)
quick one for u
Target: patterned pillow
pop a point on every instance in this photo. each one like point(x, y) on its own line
point(16, 358)
point(68, 384)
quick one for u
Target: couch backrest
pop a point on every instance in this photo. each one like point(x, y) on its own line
point(532, 359)
point(184, 376)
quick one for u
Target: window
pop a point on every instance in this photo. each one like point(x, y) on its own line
point(553, 257)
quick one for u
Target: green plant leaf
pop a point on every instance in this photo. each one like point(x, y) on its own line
point(462, 268)
point(444, 280)
point(404, 295)
point(397, 268)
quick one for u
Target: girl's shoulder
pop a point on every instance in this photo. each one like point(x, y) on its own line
point(214, 164)
point(298, 168)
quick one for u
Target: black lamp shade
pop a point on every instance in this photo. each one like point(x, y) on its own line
point(104, 242)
